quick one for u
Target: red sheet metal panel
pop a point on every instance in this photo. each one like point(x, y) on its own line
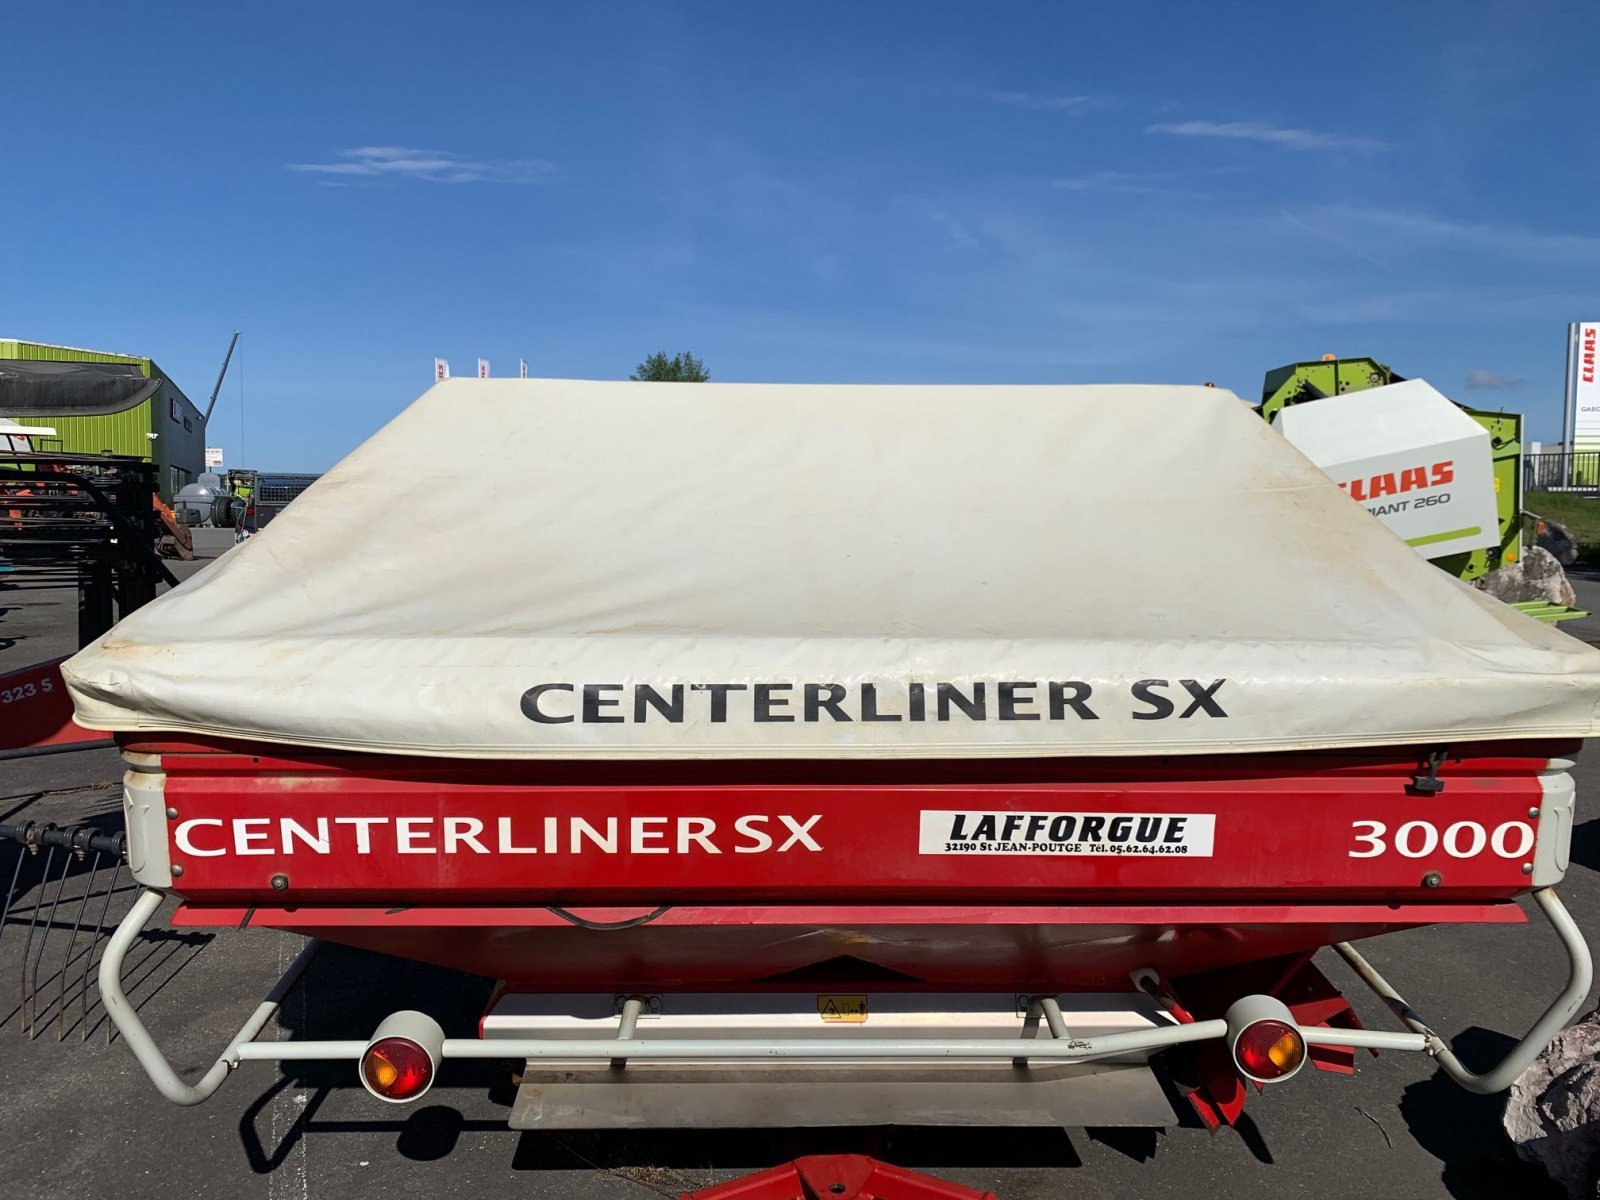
point(1065, 948)
point(348, 829)
point(35, 710)
point(837, 1177)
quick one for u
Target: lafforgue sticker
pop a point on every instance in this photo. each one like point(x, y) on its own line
point(945, 831)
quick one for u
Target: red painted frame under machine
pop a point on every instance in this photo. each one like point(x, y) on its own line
point(766, 869)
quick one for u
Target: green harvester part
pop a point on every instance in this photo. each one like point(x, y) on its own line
point(1298, 383)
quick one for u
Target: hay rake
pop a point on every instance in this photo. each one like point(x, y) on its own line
point(47, 856)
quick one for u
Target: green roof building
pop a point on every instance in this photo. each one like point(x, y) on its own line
point(103, 403)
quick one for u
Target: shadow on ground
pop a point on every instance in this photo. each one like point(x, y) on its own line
point(1463, 1130)
point(1586, 845)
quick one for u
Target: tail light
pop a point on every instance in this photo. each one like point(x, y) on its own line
point(396, 1069)
point(400, 1061)
point(1265, 1042)
point(1269, 1050)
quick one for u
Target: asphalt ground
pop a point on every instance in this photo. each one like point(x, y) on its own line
point(78, 1117)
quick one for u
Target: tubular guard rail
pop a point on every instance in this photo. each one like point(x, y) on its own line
point(1580, 974)
point(1061, 1046)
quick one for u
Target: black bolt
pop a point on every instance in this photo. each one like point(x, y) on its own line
point(1432, 879)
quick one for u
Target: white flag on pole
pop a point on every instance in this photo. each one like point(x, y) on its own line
point(524, 363)
point(483, 368)
point(441, 370)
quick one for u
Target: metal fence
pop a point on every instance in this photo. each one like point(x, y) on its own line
point(280, 489)
point(1577, 471)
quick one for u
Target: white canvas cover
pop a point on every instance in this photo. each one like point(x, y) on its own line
point(611, 570)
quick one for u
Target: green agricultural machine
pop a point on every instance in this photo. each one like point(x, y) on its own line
point(1380, 451)
point(102, 403)
point(1300, 382)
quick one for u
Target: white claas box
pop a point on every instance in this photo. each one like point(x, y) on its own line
point(1408, 455)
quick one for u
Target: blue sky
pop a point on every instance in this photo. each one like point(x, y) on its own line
point(822, 191)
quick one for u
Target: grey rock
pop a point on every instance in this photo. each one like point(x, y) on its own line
point(1553, 1111)
point(1539, 576)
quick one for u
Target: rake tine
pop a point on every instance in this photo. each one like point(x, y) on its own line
point(66, 961)
point(11, 892)
point(27, 945)
point(88, 959)
point(30, 1023)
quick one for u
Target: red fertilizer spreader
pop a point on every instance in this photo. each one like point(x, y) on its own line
point(810, 755)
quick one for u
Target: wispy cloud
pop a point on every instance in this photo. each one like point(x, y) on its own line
point(1493, 381)
point(1362, 304)
point(1112, 181)
point(427, 166)
point(1345, 244)
point(1074, 106)
point(1416, 227)
point(1272, 135)
point(952, 227)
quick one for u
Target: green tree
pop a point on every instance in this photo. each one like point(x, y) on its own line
point(680, 368)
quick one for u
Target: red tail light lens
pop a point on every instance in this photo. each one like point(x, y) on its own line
point(397, 1069)
point(1269, 1050)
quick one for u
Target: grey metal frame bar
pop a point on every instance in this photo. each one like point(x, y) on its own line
point(1580, 974)
point(625, 1045)
point(133, 1031)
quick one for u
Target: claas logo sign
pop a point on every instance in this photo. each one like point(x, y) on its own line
point(1395, 483)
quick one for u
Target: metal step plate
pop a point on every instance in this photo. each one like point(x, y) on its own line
point(757, 1094)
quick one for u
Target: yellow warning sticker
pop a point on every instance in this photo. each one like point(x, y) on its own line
point(842, 1008)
